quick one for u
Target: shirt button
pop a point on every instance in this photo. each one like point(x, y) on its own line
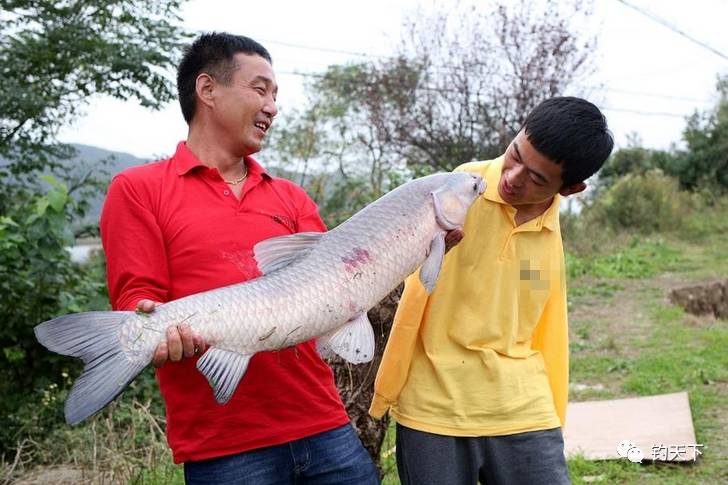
point(226, 193)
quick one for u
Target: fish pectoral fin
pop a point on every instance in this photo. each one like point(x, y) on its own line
point(431, 267)
point(223, 370)
point(353, 341)
point(277, 252)
point(441, 198)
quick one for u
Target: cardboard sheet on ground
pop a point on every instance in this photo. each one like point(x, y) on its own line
point(661, 427)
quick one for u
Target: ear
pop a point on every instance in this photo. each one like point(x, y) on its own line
point(572, 189)
point(204, 85)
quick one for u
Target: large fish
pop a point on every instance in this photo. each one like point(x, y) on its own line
point(314, 285)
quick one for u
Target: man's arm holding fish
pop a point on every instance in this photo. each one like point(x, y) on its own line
point(181, 340)
point(139, 281)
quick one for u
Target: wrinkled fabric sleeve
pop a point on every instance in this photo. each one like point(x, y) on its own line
point(551, 338)
point(394, 368)
point(136, 259)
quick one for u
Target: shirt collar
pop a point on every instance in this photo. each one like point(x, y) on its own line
point(549, 219)
point(185, 161)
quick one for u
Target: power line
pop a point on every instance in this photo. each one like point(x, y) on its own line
point(444, 68)
point(652, 95)
point(323, 49)
point(645, 113)
point(614, 90)
point(606, 108)
point(664, 23)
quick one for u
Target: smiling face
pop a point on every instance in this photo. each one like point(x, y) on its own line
point(244, 108)
point(528, 177)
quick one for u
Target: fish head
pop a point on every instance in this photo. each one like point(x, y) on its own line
point(454, 197)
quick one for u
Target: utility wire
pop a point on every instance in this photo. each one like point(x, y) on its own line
point(587, 86)
point(606, 108)
point(644, 113)
point(664, 23)
point(444, 68)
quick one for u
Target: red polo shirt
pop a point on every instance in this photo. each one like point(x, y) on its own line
point(173, 228)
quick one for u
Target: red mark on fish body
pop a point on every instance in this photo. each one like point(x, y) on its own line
point(362, 255)
point(357, 257)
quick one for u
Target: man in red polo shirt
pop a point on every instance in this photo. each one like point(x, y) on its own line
point(188, 224)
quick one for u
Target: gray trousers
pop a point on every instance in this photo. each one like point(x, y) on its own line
point(532, 458)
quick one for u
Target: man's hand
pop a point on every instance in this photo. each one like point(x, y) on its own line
point(181, 341)
point(452, 238)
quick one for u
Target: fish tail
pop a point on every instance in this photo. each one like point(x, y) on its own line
point(94, 338)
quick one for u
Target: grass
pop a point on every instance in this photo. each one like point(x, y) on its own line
point(628, 340)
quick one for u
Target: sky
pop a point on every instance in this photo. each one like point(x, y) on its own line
point(648, 80)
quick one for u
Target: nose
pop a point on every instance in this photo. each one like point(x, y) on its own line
point(270, 107)
point(517, 175)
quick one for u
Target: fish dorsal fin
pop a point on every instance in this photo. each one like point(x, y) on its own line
point(431, 267)
point(223, 370)
point(353, 341)
point(275, 253)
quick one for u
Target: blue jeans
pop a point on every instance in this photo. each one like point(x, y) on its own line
point(334, 457)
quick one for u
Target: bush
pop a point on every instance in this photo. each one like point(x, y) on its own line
point(647, 203)
point(38, 281)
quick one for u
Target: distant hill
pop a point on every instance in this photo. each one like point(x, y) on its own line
point(121, 160)
point(107, 163)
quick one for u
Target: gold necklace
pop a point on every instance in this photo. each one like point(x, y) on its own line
point(237, 181)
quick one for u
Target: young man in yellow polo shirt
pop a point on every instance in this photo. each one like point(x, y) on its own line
point(476, 373)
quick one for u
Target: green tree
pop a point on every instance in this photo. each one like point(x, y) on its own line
point(635, 159)
point(705, 163)
point(54, 56)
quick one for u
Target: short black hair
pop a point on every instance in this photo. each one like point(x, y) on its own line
point(573, 132)
point(213, 53)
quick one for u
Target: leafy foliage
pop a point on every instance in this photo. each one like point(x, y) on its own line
point(645, 203)
point(701, 167)
point(38, 281)
point(55, 55)
point(635, 159)
point(706, 135)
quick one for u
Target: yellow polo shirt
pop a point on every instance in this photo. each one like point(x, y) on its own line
point(485, 354)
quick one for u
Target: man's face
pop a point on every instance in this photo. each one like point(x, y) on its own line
point(528, 177)
point(244, 110)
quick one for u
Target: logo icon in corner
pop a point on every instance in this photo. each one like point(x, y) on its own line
point(627, 449)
